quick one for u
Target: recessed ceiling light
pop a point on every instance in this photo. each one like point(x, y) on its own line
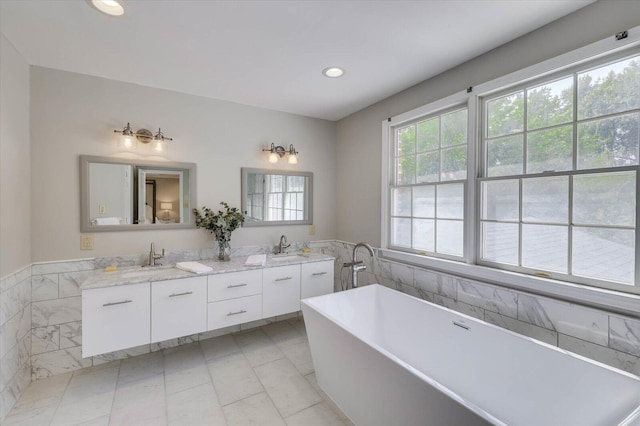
point(333, 72)
point(110, 7)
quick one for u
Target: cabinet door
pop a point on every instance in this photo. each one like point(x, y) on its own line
point(235, 284)
point(230, 312)
point(178, 308)
point(280, 290)
point(317, 279)
point(115, 318)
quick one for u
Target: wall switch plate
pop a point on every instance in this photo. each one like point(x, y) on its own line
point(86, 242)
point(101, 209)
point(312, 230)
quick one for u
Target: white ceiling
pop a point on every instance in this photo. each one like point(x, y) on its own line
point(271, 53)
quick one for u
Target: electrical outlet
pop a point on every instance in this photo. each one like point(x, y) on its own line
point(312, 230)
point(101, 209)
point(86, 242)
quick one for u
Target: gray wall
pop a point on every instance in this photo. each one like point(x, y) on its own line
point(15, 166)
point(359, 135)
point(73, 114)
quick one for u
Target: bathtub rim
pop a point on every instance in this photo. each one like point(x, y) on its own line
point(309, 302)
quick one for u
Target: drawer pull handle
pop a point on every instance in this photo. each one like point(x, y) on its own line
point(117, 303)
point(284, 279)
point(319, 273)
point(236, 285)
point(180, 294)
point(241, 311)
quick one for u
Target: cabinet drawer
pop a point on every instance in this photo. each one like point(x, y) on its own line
point(317, 279)
point(234, 311)
point(115, 318)
point(280, 290)
point(234, 284)
point(178, 308)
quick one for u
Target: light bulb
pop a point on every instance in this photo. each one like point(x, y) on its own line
point(293, 159)
point(159, 146)
point(127, 142)
point(273, 157)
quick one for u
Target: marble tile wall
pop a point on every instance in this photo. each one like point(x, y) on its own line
point(41, 317)
point(606, 337)
point(15, 337)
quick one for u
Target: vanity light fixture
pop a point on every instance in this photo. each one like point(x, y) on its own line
point(129, 139)
point(333, 72)
point(277, 152)
point(109, 7)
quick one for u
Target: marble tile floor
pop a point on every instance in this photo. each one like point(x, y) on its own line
point(262, 376)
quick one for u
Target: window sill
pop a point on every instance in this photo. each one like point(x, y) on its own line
point(613, 301)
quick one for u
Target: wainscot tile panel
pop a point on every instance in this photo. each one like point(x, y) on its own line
point(566, 318)
point(70, 283)
point(14, 330)
point(520, 327)
point(58, 362)
point(44, 287)
point(45, 339)
point(58, 311)
point(488, 297)
point(624, 334)
point(444, 285)
point(70, 334)
point(605, 355)
point(15, 299)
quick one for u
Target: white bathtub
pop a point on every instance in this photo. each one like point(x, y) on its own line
point(386, 358)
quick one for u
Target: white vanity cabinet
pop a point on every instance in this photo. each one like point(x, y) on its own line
point(178, 308)
point(234, 298)
point(317, 279)
point(115, 318)
point(280, 290)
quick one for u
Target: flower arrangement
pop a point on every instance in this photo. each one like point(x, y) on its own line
point(220, 224)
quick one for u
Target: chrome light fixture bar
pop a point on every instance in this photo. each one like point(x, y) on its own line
point(130, 138)
point(277, 151)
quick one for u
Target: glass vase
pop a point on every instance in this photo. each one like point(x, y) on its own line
point(224, 250)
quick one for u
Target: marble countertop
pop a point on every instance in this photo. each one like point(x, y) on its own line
point(138, 274)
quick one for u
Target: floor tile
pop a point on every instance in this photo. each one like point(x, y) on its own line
point(257, 410)
point(195, 406)
point(257, 377)
point(288, 389)
point(219, 347)
point(316, 415)
point(233, 378)
point(258, 347)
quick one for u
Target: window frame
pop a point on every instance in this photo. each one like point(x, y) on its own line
point(624, 299)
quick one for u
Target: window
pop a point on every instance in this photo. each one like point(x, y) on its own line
point(430, 172)
point(558, 193)
point(536, 172)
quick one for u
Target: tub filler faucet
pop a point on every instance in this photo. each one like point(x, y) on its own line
point(358, 265)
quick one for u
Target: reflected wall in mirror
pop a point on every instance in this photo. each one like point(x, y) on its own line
point(120, 194)
point(277, 197)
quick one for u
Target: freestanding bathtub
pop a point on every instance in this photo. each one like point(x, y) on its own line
point(387, 358)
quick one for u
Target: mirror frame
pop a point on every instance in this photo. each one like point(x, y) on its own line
point(308, 200)
point(85, 224)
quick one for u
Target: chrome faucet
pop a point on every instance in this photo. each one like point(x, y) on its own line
point(283, 245)
point(358, 265)
point(153, 256)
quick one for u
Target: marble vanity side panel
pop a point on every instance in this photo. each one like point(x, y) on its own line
point(44, 287)
point(69, 283)
point(58, 267)
point(488, 297)
point(584, 323)
point(520, 327)
point(70, 334)
point(599, 353)
point(58, 311)
point(624, 334)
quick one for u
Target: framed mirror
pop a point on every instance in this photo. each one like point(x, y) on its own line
point(277, 197)
point(126, 195)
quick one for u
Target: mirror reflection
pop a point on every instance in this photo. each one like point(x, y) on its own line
point(119, 194)
point(277, 197)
